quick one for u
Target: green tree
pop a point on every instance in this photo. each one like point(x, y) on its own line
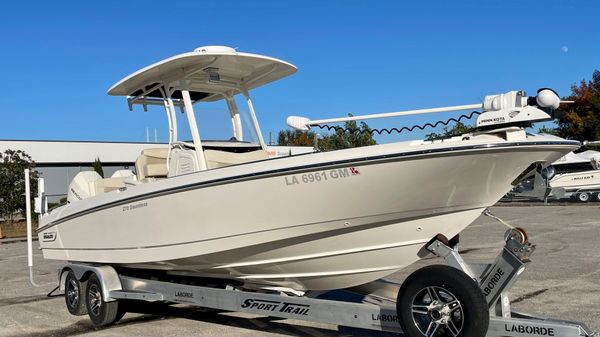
point(295, 138)
point(456, 130)
point(12, 182)
point(547, 130)
point(350, 136)
point(581, 120)
point(98, 167)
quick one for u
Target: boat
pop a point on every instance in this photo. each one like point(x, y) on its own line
point(575, 176)
point(325, 220)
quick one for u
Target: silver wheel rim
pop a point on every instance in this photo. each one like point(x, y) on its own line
point(73, 293)
point(437, 312)
point(584, 197)
point(95, 299)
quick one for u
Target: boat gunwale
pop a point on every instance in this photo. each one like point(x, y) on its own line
point(303, 168)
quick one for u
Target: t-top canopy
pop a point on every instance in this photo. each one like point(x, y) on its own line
point(207, 73)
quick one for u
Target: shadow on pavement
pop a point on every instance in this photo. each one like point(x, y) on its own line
point(158, 311)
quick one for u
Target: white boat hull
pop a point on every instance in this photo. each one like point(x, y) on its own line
point(576, 181)
point(318, 221)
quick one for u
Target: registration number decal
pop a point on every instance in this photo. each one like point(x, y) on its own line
point(321, 176)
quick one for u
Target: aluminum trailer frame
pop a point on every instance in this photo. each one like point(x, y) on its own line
point(376, 312)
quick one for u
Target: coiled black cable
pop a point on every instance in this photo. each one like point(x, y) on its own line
point(404, 128)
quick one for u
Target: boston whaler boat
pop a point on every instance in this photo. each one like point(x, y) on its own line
point(222, 210)
point(575, 176)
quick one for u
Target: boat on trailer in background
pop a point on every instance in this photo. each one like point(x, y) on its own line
point(221, 215)
point(575, 176)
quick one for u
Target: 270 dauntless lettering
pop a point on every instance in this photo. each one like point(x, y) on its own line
point(131, 207)
point(276, 306)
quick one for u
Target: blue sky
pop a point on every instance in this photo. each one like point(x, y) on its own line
point(59, 58)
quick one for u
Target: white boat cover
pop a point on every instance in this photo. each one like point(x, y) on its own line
point(582, 157)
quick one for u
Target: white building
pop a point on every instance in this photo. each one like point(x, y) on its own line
point(59, 161)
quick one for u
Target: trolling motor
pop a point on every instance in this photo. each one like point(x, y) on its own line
point(513, 108)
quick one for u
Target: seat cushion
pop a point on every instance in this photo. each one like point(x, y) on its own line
point(161, 152)
point(155, 170)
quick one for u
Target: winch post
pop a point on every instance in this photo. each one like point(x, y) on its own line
point(497, 278)
point(504, 272)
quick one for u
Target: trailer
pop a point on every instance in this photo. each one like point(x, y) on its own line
point(102, 291)
point(456, 299)
point(583, 194)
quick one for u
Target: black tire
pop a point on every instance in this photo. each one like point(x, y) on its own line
point(120, 313)
point(75, 295)
point(101, 313)
point(583, 197)
point(460, 309)
point(126, 306)
point(597, 196)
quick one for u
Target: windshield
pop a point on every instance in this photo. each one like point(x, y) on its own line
point(216, 123)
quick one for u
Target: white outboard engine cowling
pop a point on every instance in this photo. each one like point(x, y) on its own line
point(82, 186)
point(596, 163)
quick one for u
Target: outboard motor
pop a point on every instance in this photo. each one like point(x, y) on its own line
point(596, 163)
point(548, 172)
point(82, 186)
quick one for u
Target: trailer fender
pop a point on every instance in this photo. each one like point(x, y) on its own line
point(107, 275)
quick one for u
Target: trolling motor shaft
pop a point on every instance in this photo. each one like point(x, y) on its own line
point(511, 108)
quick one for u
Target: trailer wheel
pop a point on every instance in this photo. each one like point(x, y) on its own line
point(442, 301)
point(597, 196)
point(583, 196)
point(75, 295)
point(101, 313)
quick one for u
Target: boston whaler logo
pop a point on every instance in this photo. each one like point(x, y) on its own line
point(49, 236)
point(276, 306)
point(584, 177)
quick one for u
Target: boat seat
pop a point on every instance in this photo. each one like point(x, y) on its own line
point(182, 161)
point(216, 159)
point(119, 179)
point(152, 164)
point(107, 185)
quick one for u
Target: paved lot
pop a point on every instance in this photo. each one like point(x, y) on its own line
point(563, 281)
